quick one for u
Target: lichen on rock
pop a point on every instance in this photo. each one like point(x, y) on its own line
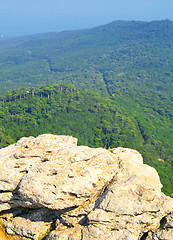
point(53, 189)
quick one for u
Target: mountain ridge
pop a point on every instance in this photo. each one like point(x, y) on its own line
point(77, 50)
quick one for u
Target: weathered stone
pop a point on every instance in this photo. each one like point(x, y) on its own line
point(49, 184)
point(68, 233)
point(33, 223)
point(73, 176)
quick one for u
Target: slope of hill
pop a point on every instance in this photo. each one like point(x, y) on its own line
point(95, 120)
point(118, 55)
point(129, 62)
point(63, 109)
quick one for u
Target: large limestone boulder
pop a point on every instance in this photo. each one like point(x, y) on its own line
point(53, 189)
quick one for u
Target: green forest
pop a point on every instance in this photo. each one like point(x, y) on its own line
point(108, 86)
point(95, 120)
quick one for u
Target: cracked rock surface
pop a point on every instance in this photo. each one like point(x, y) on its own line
point(50, 189)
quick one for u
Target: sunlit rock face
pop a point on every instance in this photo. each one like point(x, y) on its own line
point(53, 189)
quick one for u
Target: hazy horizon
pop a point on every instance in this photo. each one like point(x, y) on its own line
point(29, 17)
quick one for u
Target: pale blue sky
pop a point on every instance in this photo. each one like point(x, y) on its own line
point(23, 17)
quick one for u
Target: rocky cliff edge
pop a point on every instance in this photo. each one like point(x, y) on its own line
point(50, 189)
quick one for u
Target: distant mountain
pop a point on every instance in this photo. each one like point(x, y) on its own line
point(131, 63)
point(90, 58)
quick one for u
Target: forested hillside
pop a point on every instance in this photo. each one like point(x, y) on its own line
point(129, 66)
point(95, 120)
point(120, 56)
point(62, 109)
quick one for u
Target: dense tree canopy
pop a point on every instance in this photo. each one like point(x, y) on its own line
point(95, 120)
